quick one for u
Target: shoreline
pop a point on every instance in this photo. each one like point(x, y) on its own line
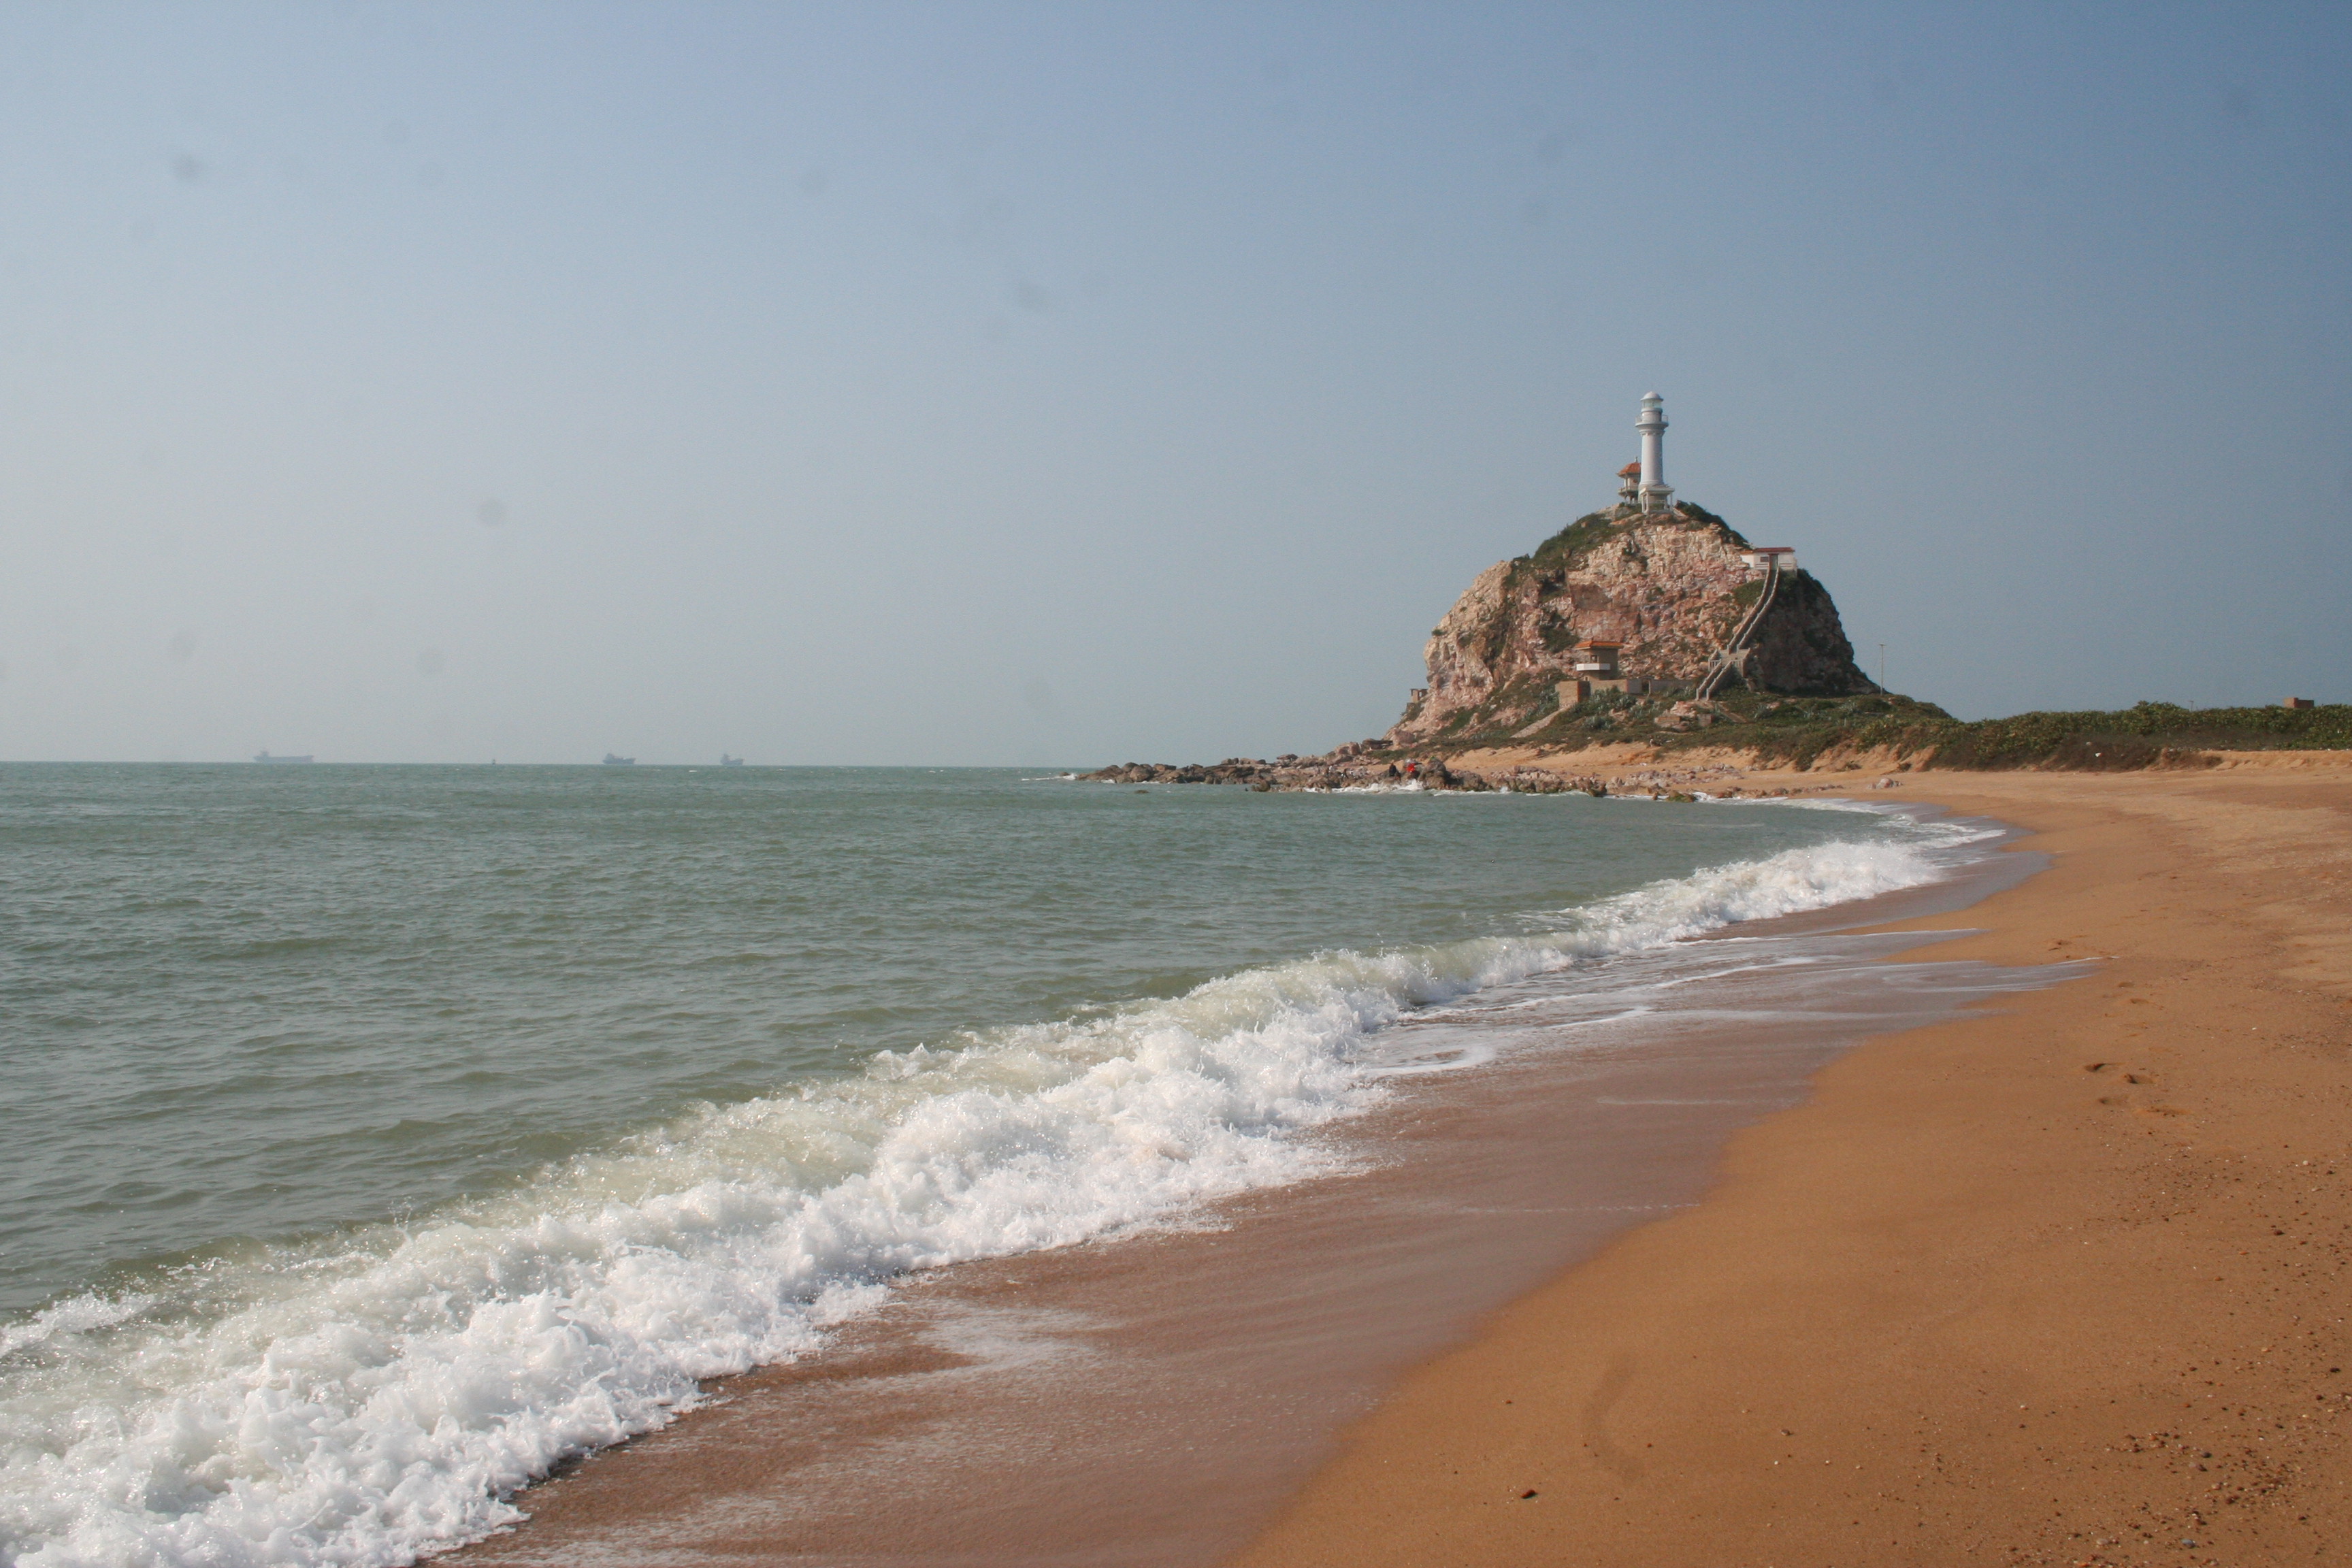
point(2055, 1284)
point(1186, 1383)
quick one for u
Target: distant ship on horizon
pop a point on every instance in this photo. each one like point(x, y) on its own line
point(727, 761)
point(615, 761)
point(266, 757)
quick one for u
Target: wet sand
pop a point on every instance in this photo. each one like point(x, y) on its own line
point(1160, 1399)
point(2062, 1283)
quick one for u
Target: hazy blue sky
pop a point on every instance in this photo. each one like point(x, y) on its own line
point(1067, 384)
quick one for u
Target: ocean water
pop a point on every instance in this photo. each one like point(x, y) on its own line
point(379, 1137)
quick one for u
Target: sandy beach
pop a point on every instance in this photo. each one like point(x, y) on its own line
point(2062, 1283)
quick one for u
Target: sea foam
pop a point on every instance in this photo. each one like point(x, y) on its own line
point(379, 1393)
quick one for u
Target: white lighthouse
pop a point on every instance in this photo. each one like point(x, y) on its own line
point(1656, 494)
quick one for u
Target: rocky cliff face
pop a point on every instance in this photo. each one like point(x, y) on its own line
point(1670, 587)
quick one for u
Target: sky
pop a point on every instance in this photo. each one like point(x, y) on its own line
point(1010, 383)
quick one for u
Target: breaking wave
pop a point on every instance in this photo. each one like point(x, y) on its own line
point(379, 1392)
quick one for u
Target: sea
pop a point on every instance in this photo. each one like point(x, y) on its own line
point(380, 1139)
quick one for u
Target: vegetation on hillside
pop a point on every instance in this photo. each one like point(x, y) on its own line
point(1570, 545)
point(1792, 731)
point(2140, 734)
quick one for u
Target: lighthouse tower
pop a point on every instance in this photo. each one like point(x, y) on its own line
point(1656, 495)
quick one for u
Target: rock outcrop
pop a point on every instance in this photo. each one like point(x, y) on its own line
point(1350, 767)
point(1669, 587)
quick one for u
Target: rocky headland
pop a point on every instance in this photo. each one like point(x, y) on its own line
point(1513, 701)
point(1669, 588)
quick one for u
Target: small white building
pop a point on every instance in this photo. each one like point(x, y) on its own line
point(1596, 657)
point(1568, 693)
point(1595, 662)
point(1764, 557)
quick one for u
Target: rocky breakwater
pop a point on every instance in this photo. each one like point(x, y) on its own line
point(1353, 766)
point(1668, 587)
point(1350, 767)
